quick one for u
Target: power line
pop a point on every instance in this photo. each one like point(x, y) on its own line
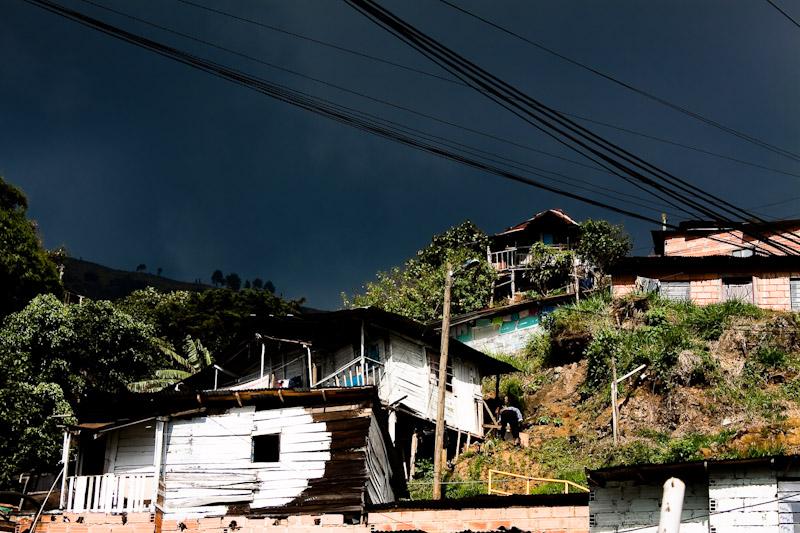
point(459, 83)
point(784, 13)
point(617, 81)
point(473, 150)
point(681, 145)
point(305, 101)
point(557, 126)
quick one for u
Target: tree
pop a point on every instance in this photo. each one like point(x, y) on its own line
point(26, 269)
point(217, 278)
point(247, 284)
point(269, 287)
point(416, 289)
point(141, 267)
point(258, 284)
point(219, 318)
point(195, 358)
point(233, 281)
point(602, 243)
point(159, 270)
point(549, 268)
point(53, 356)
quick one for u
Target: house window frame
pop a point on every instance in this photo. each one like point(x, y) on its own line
point(263, 437)
point(433, 365)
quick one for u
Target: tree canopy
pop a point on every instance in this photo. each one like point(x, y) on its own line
point(26, 269)
point(603, 243)
point(52, 355)
point(416, 289)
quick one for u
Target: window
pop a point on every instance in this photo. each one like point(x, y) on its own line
point(433, 364)
point(742, 252)
point(794, 293)
point(267, 448)
point(737, 289)
point(675, 290)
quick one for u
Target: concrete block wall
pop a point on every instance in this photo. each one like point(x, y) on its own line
point(567, 519)
point(743, 499)
point(625, 505)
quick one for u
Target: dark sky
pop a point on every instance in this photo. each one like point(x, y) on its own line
point(130, 158)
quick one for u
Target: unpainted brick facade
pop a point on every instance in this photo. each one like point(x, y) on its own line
point(770, 289)
point(551, 519)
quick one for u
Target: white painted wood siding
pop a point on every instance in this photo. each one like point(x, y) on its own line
point(407, 375)
point(134, 448)
point(209, 459)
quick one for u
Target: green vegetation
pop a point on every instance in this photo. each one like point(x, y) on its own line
point(602, 243)
point(415, 290)
point(26, 269)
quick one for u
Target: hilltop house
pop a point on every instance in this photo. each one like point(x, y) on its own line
point(707, 263)
point(213, 453)
point(725, 495)
point(509, 250)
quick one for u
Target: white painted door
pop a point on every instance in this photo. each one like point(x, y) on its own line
point(789, 506)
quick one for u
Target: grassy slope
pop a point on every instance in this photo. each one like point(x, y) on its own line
point(722, 381)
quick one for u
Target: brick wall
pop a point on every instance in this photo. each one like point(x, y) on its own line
point(770, 290)
point(535, 519)
point(700, 246)
point(539, 519)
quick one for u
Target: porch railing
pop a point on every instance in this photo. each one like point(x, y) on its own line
point(515, 257)
point(354, 374)
point(110, 493)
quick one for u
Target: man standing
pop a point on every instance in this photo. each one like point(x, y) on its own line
point(513, 417)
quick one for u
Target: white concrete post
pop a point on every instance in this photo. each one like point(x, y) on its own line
point(671, 506)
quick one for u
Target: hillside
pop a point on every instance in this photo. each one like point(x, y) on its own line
point(721, 381)
point(103, 283)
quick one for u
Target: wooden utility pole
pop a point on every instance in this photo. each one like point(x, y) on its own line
point(614, 407)
point(440, 425)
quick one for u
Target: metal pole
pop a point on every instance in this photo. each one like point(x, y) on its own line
point(363, 355)
point(440, 425)
point(671, 506)
point(614, 413)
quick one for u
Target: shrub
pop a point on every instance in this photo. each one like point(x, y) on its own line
point(709, 321)
point(771, 357)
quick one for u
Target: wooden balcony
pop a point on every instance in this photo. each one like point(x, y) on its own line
point(110, 493)
point(517, 257)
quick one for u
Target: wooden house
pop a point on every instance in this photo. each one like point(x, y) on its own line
point(251, 452)
point(509, 250)
point(366, 347)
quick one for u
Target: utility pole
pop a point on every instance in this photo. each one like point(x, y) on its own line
point(440, 425)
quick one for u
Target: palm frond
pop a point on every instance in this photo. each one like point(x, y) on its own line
point(171, 374)
point(149, 385)
point(168, 350)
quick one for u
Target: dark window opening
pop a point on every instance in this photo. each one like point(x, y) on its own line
point(267, 448)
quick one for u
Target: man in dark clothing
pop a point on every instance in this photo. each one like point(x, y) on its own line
point(513, 417)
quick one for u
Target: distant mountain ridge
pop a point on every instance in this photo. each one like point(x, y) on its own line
point(99, 282)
